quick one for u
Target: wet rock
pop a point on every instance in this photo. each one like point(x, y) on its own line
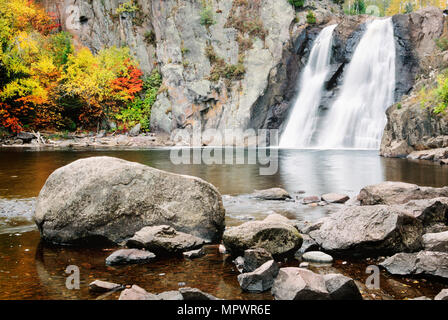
point(110, 199)
point(260, 279)
point(255, 258)
point(341, 287)
point(317, 257)
point(311, 199)
point(436, 241)
point(272, 194)
point(369, 230)
point(129, 256)
point(137, 293)
point(308, 245)
point(239, 264)
point(299, 284)
point(195, 294)
point(335, 198)
point(193, 254)
point(276, 234)
point(164, 240)
point(424, 263)
point(103, 286)
point(170, 296)
point(398, 193)
point(443, 295)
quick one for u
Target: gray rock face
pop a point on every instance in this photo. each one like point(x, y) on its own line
point(369, 229)
point(443, 295)
point(129, 256)
point(272, 194)
point(103, 286)
point(255, 258)
point(299, 284)
point(317, 257)
point(111, 199)
point(260, 279)
point(341, 287)
point(164, 240)
point(335, 198)
point(195, 294)
point(436, 241)
point(427, 263)
point(398, 193)
point(137, 293)
point(276, 234)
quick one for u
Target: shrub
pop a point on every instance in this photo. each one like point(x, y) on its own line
point(127, 7)
point(310, 17)
point(442, 43)
point(297, 3)
point(207, 17)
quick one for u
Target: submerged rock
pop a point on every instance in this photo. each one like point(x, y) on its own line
point(299, 284)
point(335, 198)
point(341, 287)
point(317, 256)
point(426, 263)
point(272, 194)
point(398, 193)
point(137, 293)
point(129, 256)
point(260, 279)
point(164, 240)
point(104, 286)
point(110, 199)
point(276, 234)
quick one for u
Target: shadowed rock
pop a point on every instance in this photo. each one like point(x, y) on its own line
point(341, 287)
point(260, 279)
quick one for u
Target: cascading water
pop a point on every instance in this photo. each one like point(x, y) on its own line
point(357, 117)
point(303, 120)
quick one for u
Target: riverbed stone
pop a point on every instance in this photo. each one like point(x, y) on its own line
point(443, 295)
point(170, 296)
point(317, 257)
point(436, 241)
point(104, 286)
point(335, 198)
point(137, 293)
point(276, 234)
point(341, 287)
point(423, 263)
point(398, 193)
point(195, 294)
point(369, 230)
point(109, 199)
point(129, 256)
point(255, 258)
point(164, 240)
point(261, 279)
point(311, 200)
point(272, 194)
point(299, 284)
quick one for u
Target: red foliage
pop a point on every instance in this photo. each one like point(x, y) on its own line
point(128, 86)
point(8, 120)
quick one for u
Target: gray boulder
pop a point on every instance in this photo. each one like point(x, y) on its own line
point(276, 234)
point(398, 193)
point(431, 212)
point(272, 194)
point(104, 286)
point(137, 293)
point(110, 199)
point(129, 256)
point(436, 241)
point(255, 258)
point(335, 198)
point(341, 287)
point(195, 294)
point(369, 230)
point(135, 131)
point(423, 263)
point(443, 295)
point(299, 284)
point(164, 240)
point(260, 279)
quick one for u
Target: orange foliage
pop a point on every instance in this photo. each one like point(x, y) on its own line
point(126, 87)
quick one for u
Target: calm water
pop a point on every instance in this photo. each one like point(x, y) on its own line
point(30, 270)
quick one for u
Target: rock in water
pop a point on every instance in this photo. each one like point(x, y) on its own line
point(131, 256)
point(317, 256)
point(255, 258)
point(164, 240)
point(103, 286)
point(272, 194)
point(335, 198)
point(369, 230)
point(105, 198)
point(137, 293)
point(276, 234)
point(299, 284)
point(193, 254)
point(195, 294)
point(398, 193)
point(260, 279)
point(341, 287)
point(443, 295)
point(428, 263)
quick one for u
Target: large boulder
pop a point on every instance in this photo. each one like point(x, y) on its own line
point(398, 193)
point(260, 279)
point(369, 230)
point(276, 234)
point(105, 198)
point(164, 240)
point(299, 284)
point(427, 263)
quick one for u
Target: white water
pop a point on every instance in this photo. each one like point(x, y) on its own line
point(357, 117)
point(303, 120)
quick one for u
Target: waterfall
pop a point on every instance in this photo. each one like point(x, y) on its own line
point(357, 118)
point(303, 120)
